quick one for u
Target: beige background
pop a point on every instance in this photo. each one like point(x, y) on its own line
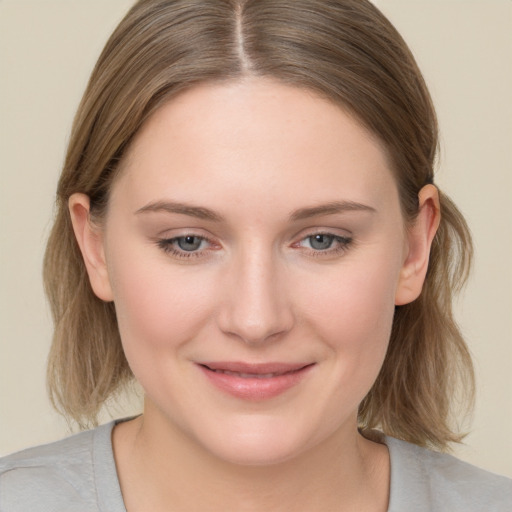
point(47, 49)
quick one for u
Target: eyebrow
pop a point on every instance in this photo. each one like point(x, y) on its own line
point(182, 209)
point(330, 208)
point(203, 213)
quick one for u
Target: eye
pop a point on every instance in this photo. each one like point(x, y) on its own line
point(186, 246)
point(189, 243)
point(321, 242)
point(324, 244)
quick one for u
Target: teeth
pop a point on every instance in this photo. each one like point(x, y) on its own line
point(249, 375)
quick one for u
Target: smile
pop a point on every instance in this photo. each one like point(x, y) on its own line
point(254, 381)
point(249, 375)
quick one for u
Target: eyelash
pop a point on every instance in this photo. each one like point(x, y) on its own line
point(342, 245)
point(168, 245)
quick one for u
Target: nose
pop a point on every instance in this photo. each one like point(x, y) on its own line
point(255, 307)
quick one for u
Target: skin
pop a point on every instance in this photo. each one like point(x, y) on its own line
point(260, 156)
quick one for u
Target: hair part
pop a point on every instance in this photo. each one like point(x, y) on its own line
point(345, 51)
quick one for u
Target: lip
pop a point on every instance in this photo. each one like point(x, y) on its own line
point(254, 381)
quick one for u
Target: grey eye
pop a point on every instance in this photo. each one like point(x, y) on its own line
point(189, 243)
point(321, 242)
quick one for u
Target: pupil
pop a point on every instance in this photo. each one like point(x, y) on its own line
point(321, 242)
point(189, 243)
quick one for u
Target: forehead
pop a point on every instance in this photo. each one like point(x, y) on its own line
point(258, 139)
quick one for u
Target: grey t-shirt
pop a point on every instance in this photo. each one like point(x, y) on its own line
point(78, 474)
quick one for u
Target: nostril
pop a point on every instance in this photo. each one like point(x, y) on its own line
point(255, 307)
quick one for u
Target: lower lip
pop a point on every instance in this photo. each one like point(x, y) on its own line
point(249, 388)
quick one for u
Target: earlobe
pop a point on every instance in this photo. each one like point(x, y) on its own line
point(420, 236)
point(90, 241)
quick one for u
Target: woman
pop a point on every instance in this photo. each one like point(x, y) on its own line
point(247, 224)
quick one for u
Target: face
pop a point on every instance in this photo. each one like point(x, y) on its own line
point(254, 248)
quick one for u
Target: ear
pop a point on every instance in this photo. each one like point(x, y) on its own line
point(90, 241)
point(419, 241)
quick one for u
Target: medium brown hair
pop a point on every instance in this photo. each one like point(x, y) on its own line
point(344, 50)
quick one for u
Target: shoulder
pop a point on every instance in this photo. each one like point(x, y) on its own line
point(57, 476)
point(426, 480)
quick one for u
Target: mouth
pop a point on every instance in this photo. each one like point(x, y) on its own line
point(250, 381)
point(250, 375)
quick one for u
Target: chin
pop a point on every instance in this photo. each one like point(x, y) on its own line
point(256, 451)
point(261, 441)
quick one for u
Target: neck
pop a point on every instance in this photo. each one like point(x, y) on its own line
point(159, 465)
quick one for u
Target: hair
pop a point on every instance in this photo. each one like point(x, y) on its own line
point(347, 52)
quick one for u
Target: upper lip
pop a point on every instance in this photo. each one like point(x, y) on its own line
point(254, 368)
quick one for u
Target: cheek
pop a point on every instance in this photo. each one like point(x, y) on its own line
point(353, 312)
point(353, 318)
point(158, 306)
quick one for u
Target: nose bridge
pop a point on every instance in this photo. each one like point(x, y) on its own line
point(257, 307)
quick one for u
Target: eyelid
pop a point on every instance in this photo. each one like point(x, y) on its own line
point(343, 243)
point(331, 231)
point(168, 245)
